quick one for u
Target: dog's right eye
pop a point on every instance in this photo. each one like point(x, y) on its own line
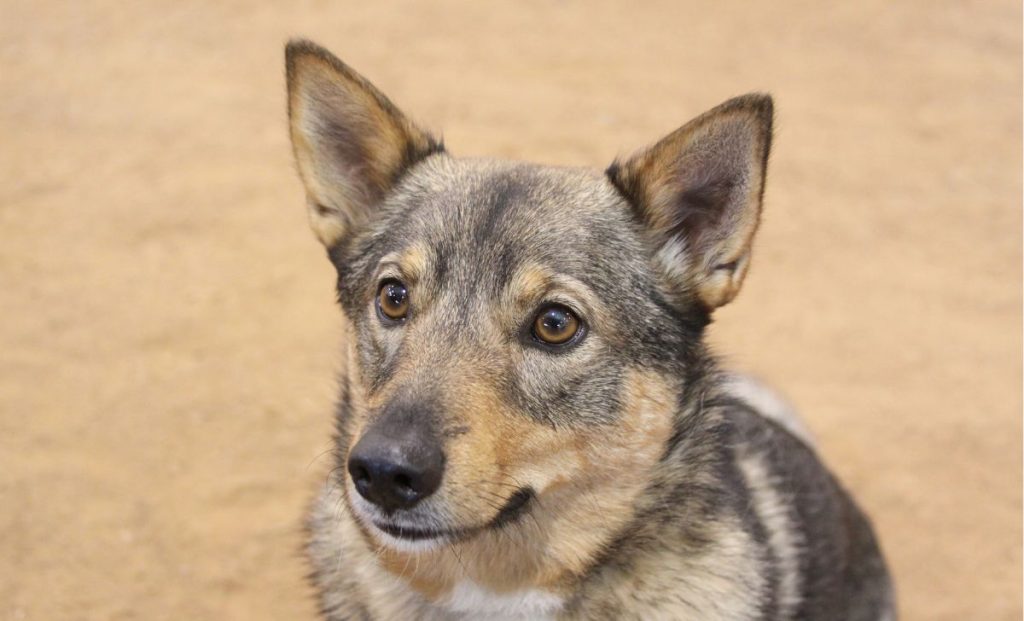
point(393, 300)
point(556, 325)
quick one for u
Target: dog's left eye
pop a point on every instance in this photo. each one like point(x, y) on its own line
point(556, 325)
point(393, 300)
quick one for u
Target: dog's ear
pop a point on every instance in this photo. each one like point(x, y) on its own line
point(351, 143)
point(699, 191)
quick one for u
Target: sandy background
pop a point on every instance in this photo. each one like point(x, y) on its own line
point(167, 330)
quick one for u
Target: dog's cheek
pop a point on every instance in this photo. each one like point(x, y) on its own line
point(378, 351)
point(578, 388)
point(361, 371)
point(353, 413)
point(589, 477)
point(612, 457)
point(494, 451)
point(624, 451)
point(545, 459)
point(471, 487)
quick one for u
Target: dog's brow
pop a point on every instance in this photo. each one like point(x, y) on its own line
point(389, 264)
point(534, 283)
point(410, 262)
point(530, 281)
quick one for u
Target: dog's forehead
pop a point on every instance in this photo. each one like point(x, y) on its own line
point(492, 211)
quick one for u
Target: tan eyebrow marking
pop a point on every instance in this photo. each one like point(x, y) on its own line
point(533, 283)
point(529, 283)
point(414, 261)
point(410, 263)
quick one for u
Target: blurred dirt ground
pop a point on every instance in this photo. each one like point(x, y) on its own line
point(168, 328)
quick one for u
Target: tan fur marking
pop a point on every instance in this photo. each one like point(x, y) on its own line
point(414, 261)
point(530, 282)
point(587, 481)
point(411, 266)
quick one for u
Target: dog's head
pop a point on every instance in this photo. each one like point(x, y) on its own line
point(518, 335)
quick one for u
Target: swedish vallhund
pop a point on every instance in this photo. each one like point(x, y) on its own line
point(530, 424)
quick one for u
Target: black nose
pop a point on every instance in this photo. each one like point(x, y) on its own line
point(395, 470)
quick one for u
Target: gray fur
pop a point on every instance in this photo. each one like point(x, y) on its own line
point(732, 517)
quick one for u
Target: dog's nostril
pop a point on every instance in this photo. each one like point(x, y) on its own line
point(403, 482)
point(360, 475)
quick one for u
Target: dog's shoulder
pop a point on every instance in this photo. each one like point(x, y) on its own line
point(744, 521)
point(820, 545)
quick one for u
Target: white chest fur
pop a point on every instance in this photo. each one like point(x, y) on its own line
point(475, 602)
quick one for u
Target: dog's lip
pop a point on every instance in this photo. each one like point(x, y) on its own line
point(509, 512)
point(411, 533)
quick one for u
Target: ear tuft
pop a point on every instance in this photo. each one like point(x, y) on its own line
point(699, 192)
point(351, 143)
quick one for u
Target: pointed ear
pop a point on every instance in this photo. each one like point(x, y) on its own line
point(698, 191)
point(351, 143)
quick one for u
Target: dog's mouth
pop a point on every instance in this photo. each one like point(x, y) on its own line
point(410, 533)
point(513, 509)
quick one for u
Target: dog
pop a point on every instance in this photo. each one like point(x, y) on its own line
point(530, 424)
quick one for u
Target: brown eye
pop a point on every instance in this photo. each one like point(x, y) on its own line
point(556, 325)
point(393, 300)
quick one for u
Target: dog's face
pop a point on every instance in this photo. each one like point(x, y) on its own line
point(517, 335)
point(501, 314)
